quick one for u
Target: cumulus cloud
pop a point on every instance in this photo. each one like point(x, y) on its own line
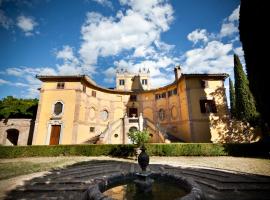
point(105, 3)
point(26, 24)
point(109, 75)
point(136, 29)
point(235, 15)
point(215, 57)
point(228, 29)
point(27, 76)
point(198, 35)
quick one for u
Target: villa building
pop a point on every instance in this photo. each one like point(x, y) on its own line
point(75, 110)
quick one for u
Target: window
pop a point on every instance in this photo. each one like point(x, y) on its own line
point(161, 114)
point(60, 85)
point(144, 81)
point(58, 108)
point(116, 135)
point(121, 82)
point(92, 129)
point(163, 95)
point(204, 83)
point(104, 114)
point(133, 97)
point(169, 93)
point(160, 96)
point(174, 91)
point(208, 106)
point(84, 88)
point(94, 93)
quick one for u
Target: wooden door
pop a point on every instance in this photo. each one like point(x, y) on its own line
point(55, 134)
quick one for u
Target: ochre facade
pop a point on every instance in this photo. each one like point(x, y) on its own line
point(75, 110)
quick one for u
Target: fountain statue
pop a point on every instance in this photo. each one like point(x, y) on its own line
point(143, 181)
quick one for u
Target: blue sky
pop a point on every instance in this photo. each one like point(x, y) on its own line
point(95, 37)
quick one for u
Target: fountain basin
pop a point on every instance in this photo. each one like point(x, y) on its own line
point(178, 186)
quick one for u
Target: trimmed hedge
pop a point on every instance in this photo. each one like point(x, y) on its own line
point(174, 149)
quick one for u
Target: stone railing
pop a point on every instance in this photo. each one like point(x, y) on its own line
point(157, 129)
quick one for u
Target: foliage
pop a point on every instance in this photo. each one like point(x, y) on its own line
point(244, 101)
point(232, 98)
point(174, 149)
point(139, 137)
point(252, 36)
point(11, 107)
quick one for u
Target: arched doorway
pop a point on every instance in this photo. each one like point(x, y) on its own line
point(12, 136)
point(132, 129)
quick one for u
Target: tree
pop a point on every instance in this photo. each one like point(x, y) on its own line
point(244, 100)
point(232, 98)
point(139, 137)
point(254, 39)
point(11, 107)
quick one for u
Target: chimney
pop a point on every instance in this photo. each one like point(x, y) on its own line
point(177, 73)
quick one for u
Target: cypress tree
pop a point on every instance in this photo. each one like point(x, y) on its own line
point(232, 98)
point(244, 101)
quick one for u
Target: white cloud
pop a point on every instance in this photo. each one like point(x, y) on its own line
point(2, 82)
point(198, 35)
point(5, 21)
point(215, 57)
point(137, 29)
point(27, 75)
point(109, 75)
point(26, 24)
point(105, 3)
point(239, 51)
point(228, 29)
point(235, 15)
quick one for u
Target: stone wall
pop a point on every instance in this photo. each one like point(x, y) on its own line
point(24, 128)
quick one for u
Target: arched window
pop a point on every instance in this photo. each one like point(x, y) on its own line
point(161, 114)
point(58, 108)
point(132, 129)
point(104, 115)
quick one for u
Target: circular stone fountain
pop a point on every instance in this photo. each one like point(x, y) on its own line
point(144, 185)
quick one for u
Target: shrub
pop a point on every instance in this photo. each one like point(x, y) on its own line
point(139, 137)
point(174, 149)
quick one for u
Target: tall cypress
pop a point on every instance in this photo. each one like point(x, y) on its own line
point(244, 101)
point(232, 98)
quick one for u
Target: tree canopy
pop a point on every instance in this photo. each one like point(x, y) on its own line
point(11, 107)
point(232, 98)
point(254, 39)
point(245, 103)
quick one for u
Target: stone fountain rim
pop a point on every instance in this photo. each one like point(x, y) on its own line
point(94, 192)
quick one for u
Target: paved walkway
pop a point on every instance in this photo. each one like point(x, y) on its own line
point(71, 182)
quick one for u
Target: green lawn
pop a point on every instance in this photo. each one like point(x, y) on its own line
point(12, 169)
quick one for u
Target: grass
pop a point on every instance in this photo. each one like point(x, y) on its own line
point(17, 168)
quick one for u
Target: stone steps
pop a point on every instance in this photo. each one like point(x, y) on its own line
point(71, 182)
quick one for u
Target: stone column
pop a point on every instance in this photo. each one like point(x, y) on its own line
point(140, 122)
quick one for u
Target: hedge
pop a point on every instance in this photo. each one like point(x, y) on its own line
point(174, 149)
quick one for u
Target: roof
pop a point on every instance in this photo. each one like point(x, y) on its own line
point(88, 81)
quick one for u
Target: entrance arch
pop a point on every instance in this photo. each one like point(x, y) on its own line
point(12, 137)
point(133, 128)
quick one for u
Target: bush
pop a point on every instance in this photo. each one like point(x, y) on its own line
point(139, 137)
point(174, 149)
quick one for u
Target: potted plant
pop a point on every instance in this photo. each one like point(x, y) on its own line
point(139, 138)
